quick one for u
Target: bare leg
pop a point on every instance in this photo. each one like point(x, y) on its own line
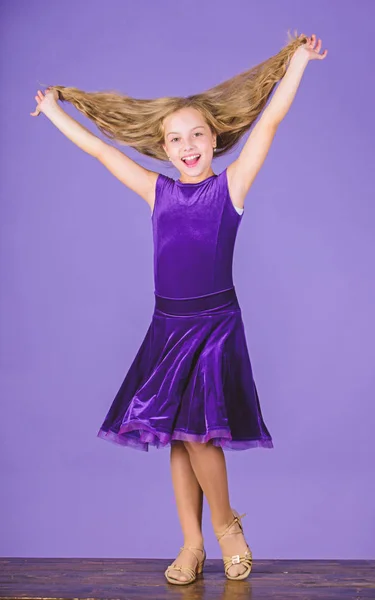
point(189, 500)
point(208, 463)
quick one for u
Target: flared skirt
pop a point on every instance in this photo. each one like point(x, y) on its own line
point(191, 380)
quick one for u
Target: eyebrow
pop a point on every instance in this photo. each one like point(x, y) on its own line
point(198, 127)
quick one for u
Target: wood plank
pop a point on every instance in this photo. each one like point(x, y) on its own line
point(134, 579)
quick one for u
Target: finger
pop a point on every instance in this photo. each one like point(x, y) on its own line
point(319, 45)
point(40, 94)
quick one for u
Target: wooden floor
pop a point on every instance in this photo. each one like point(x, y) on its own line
point(126, 579)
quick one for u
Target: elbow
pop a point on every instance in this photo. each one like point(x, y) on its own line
point(99, 149)
point(271, 121)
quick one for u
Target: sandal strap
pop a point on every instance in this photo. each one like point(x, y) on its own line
point(192, 548)
point(191, 572)
point(237, 559)
point(180, 567)
point(236, 519)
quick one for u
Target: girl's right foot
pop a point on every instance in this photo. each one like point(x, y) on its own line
point(186, 566)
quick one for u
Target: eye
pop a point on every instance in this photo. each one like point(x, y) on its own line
point(198, 133)
point(172, 140)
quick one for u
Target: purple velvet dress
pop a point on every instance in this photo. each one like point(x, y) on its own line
point(191, 378)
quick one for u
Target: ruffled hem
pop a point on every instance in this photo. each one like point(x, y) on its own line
point(140, 436)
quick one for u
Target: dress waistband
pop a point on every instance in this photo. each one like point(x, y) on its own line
point(209, 304)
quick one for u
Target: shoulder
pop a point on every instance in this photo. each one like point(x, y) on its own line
point(162, 179)
point(161, 183)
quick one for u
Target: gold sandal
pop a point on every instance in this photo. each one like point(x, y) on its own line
point(192, 573)
point(243, 559)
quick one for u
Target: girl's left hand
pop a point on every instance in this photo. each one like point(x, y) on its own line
point(312, 48)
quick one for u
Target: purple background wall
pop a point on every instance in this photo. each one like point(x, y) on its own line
point(77, 290)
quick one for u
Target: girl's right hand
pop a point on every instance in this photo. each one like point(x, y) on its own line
point(45, 101)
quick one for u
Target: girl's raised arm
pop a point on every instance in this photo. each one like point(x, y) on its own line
point(137, 178)
point(242, 171)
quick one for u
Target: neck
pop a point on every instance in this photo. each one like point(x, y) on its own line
point(197, 178)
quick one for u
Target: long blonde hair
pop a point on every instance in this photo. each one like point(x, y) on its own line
point(229, 108)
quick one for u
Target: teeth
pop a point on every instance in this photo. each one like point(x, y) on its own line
point(191, 157)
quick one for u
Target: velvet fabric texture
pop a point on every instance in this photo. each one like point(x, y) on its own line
point(191, 378)
point(194, 231)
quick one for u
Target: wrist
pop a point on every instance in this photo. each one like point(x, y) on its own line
point(301, 56)
point(51, 109)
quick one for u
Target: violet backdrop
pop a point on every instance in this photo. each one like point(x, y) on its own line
point(76, 261)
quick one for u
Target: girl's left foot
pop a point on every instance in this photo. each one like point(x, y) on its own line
point(234, 546)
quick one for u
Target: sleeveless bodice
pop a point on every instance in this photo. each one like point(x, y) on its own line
point(194, 232)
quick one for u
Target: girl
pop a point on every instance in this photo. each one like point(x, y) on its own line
point(191, 385)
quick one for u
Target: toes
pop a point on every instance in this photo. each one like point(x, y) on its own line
point(236, 570)
point(178, 576)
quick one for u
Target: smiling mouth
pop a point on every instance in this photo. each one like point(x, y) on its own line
point(191, 162)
